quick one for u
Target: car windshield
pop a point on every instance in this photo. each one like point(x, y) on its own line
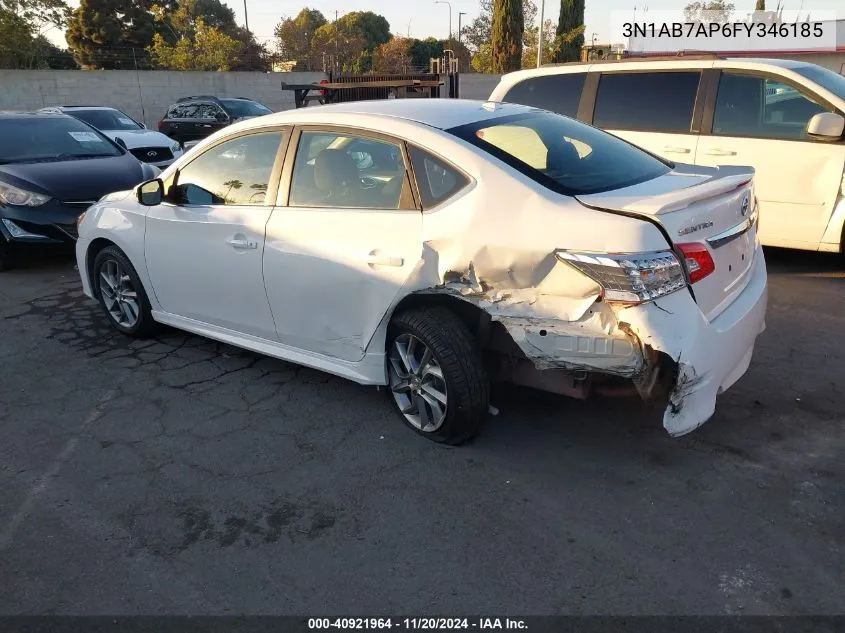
point(106, 119)
point(40, 137)
point(827, 79)
point(241, 107)
point(562, 154)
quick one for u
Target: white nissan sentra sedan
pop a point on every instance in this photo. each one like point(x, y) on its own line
point(434, 246)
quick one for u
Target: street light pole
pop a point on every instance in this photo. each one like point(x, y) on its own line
point(450, 17)
point(540, 35)
point(460, 13)
point(246, 18)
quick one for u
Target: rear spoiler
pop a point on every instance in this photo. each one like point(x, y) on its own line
point(727, 179)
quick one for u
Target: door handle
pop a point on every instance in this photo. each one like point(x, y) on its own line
point(676, 150)
point(242, 244)
point(376, 259)
point(718, 152)
point(206, 125)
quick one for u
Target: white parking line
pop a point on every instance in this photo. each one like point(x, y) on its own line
point(41, 485)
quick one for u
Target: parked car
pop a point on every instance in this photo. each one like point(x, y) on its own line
point(785, 118)
point(435, 245)
point(52, 167)
point(148, 146)
point(193, 118)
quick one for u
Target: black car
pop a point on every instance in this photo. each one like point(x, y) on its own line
point(194, 118)
point(52, 168)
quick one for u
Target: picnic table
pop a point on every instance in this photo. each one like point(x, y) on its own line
point(303, 94)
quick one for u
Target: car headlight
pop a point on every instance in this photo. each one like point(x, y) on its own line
point(175, 148)
point(21, 197)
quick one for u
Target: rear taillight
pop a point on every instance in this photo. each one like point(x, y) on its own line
point(699, 262)
point(630, 277)
point(160, 125)
point(323, 92)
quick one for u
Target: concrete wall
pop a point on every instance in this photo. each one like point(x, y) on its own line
point(147, 95)
point(143, 95)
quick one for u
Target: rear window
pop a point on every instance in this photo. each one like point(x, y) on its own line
point(556, 93)
point(562, 154)
point(655, 102)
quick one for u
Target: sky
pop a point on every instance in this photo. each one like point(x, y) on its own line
point(422, 18)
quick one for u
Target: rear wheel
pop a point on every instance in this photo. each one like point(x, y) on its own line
point(119, 290)
point(436, 377)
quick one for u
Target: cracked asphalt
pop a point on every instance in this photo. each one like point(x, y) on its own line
point(183, 476)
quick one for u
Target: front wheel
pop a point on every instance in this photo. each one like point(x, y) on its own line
point(119, 290)
point(436, 377)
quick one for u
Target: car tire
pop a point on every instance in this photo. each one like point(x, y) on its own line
point(436, 378)
point(7, 257)
point(121, 294)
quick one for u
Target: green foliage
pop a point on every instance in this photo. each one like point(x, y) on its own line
point(480, 30)
point(102, 33)
point(719, 11)
point(394, 56)
point(760, 6)
point(506, 40)
point(348, 45)
point(570, 31)
point(205, 48)
point(294, 35)
point(529, 52)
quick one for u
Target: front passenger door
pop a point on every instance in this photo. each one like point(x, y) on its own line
point(760, 121)
point(204, 244)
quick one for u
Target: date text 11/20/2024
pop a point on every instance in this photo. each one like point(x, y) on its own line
point(430, 624)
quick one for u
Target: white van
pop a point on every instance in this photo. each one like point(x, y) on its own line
point(784, 118)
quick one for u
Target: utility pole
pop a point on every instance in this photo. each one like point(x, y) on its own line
point(460, 13)
point(540, 35)
point(246, 18)
point(335, 66)
point(450, 17)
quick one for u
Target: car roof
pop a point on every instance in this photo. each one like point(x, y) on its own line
point(7, 114)
point(86, 107)
point(438, 113)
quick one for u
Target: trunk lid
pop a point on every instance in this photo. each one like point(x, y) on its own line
point(708, 206)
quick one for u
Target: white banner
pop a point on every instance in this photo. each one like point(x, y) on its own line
point(716, 31)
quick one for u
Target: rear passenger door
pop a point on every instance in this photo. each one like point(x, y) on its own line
point(655, 110)
point(347, 240)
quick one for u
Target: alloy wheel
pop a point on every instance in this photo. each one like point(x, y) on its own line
point(417, 383)
point(119, 294)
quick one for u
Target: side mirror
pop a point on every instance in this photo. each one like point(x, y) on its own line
point(120, 142)
point(826, 126)
point(151, 193)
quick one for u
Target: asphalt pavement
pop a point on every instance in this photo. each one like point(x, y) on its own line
point(183, 476)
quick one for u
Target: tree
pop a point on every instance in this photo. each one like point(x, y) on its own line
point(760, 6)
point(207, 48)
point(529, 53)
point(570, 31)
point(111, 33)
point(506, 42)
point(718, 11)
point(294, 36)
point(394, 56)
point(480, 30)
point(348, 43)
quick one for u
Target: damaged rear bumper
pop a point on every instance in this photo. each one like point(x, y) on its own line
point(710, 356)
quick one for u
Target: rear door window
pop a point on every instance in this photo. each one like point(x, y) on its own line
point(556, 93)
point(652, 102)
